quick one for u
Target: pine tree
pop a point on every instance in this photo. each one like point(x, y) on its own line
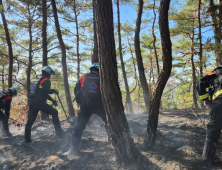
point(64, 66)
point(142, 77)
point(118, 127)
point(163, 76)
point(10, 51)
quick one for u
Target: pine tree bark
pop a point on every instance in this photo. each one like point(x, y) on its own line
point(138, 105)
point(28, 84)
point(128, 98)
point(64, 66)
point(95, 58)
point(154, 38)
point(10, 51)
point(200, 46)
point(44, 116)
point(126, 151)
point(200, 40)
point(142, 77)
point(164, 75)
point(194, 79)
point(44, 34)
point(3, 78)
point(77, 40)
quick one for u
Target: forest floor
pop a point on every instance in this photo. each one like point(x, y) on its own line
point(180, 136)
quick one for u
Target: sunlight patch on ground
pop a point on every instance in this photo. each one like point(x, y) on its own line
point(186, 149)
point(41, 128)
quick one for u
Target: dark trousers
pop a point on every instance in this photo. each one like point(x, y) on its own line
point(83, 117)
point(4, 118)
point(32, 114)
point(214, 125)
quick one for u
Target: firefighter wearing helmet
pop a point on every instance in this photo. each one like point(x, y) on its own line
point(39, 93)
point(88, 96)
point(5, 103)
point(209, 88)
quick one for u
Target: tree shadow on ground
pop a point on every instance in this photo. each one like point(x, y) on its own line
point(179, 138)
point(49, 152)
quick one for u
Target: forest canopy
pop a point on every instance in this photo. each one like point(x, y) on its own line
point(195, 47)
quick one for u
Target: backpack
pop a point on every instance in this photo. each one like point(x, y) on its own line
point(216, 84)
point(218, 78)
point(91, 90)
point(3, 95)
point(35, 87)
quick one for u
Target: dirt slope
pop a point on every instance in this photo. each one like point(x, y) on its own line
point(180, 137)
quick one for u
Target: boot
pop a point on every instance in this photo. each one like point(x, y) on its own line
point(6, 132)
point(74, 145)
point(208, 155)
point(28, 135)
point(59, 132)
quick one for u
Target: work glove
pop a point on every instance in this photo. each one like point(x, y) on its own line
point(54, 102)
point(56, 91)
point(207, 103)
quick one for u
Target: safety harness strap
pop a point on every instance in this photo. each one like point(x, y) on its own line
point(42, 81)
point(82, 80)
point(7, 98)
point(213, 72)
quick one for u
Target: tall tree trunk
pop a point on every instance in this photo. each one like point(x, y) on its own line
point(44, 116)
point(64, 66)
point(28, 85)
point(10, 51)
point(216, 23)
point(138, 107)
point(126, 107)
point(3, 78)
point(142, 77)
point(200, 40)
point(163, 76)
point(126, 151)
point(44, 34)
point(151, 74)
point(154, 38)
point(77, 40)
point(95, 58)
point(194, 96)
point(128, 98)
point(134, 64)
point(200, 46)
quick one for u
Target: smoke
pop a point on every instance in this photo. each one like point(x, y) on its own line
point(95, 121)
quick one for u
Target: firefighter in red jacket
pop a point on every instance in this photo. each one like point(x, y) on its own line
point(209, 88)
point(39, 93)
point(5, 103)
point(88, 96)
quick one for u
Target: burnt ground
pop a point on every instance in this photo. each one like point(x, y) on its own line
point(180, 136)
